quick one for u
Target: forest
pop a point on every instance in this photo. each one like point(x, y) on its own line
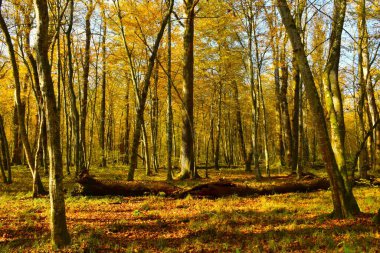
point(189, 126)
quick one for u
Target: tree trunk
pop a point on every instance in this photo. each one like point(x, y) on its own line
point(5, 161)
point(74, 111)
point(362, 69)
point(148, 170)
point(86, 71)
point(17, 143)
point(344, 202)
point(59, 234)
point(103, 160)
point(144, 92)
point(246, 158)
point(253, 93)
point(296, 110)
point(127, 128)
point(154, 121)
point(274, 43)
point(21, 109)
point(187, 147)
point(169, 113)
point(287, 130)
point(218, 130)
point(368, 92)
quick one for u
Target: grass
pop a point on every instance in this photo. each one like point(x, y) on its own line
point(295, 222)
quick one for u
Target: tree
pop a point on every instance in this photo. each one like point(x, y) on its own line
point(5, 161)
point(141, 97)
point(103, 161)
point(59, 233)
point(169, 113)
point(79, 155)
point(187, 145)
point(86, 72)
point(345, 204)
point(37, 184)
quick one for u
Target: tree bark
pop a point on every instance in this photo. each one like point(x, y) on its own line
point(344, 202)
point(187, 145)
point(74, 110)
point(86, 72)
point(218, 129)
point(169, 113)
point(296, 113)
point(17, 143)
point(37, 185)
point(287, 130)
point(5, 161)
point(144, 92)
point(59, 233)
point(103, 160)
point(246, 157)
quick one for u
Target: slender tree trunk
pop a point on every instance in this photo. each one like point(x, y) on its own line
point(103, 160)
point(254, 94)
point(287, 130)
point(366, 83)
point(127, 128)
point(5, 161)
point(148, 169)
point(37, 185)
point(169, 113)
point(218, 130)
point(143, 95)
point(247, 157)
point(17, 143)
point(86, 72)
point(59, 234)
point(154, 121)
point(266, 148)
point(301, 132)
point(279, 142)
point(296, 111)
point(73, 100)
point(344, 202)
point(362, 69)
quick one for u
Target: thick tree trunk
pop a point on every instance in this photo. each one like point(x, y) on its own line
point(187, 145)
point(59, 234)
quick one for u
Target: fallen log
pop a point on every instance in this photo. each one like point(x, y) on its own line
point(225, 188)
point(89, 186)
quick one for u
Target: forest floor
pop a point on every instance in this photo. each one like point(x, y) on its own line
point(292, 222)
